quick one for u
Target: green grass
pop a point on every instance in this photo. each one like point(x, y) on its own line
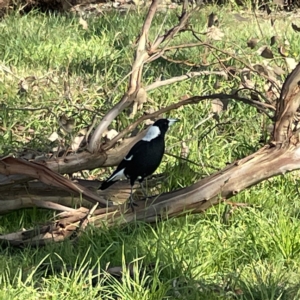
point(77, 73)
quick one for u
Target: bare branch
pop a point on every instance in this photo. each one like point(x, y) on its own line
point(265, 163)
point(28, 202)
point(77, 162)
point(166, 38)
point(12, 166)
point(192, 100)
point(134, 82)
point(287, 106)
point(189, 75)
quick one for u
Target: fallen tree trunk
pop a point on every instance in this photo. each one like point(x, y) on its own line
point(280, 156)
point(267, 162)
point(41, 195)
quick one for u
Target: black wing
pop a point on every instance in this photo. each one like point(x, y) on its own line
point(123, 164)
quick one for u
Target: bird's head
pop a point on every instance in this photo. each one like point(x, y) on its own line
point(160, 127)
point(164, 124)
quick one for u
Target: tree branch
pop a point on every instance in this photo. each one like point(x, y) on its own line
point(134, 82)
point(189, 75)
point(191, 100)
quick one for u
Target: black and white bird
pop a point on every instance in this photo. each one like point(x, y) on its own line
point(143, 158)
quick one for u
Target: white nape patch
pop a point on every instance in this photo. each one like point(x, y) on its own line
point(152, 133)
point(128, 158)
point(118, 176)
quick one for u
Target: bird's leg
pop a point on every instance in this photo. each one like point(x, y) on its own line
point(131, 203)
point(143, 189)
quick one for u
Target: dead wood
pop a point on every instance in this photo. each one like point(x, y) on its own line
point(267, 162)
point(287, 105)
point(11, 165)
point(112, 156)
point(77, 162)
point(134, 81)
point(145, 52)
point(41, 195)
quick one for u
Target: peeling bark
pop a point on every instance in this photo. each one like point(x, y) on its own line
point(281, 155)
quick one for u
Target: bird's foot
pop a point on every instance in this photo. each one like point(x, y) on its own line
point(131, 205)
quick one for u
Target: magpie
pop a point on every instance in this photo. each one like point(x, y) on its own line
point(143, 158)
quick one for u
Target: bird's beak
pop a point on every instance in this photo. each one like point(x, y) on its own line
point(172, 121)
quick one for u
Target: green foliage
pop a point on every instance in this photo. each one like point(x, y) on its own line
point(79, 73)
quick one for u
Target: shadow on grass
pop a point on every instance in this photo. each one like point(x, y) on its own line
point(130, 262)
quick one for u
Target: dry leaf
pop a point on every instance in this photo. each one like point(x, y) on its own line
point(219, 105)
point(291, 63)
point(23, 86)
point(212, 20)
point(217, 84)
point(66, 123)
point(184, 150)
point(141, 98)
point(247, 83)
point(278, 71)
point(214, 33)
point(83, 23)
point(77, 142)
point(252, 42)
point(265, 52)
point(110, 134)
point(273, 40)
point(261, 69)
point(284, 52)
point(254, 96)
point(295, 27)
point(53, 137)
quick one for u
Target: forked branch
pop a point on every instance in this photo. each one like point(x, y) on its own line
point(267, 162)
point(145, 49)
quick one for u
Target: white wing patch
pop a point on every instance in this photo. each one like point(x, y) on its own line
point(128, 158)
point(152, 133)
point(118, 176)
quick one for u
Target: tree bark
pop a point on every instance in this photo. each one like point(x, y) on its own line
point(278, 157)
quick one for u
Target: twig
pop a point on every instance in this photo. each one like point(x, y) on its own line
point(189, 75)
point(83, 223)
point(183, 19)
point(28, 202)
point(204, 120)
point(211, 129)
point(182, 158)
point(255, 91)
point(27, 108)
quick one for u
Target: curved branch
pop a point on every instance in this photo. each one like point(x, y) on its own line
point(12, 166)
point(134, 81)
point(77, 162)
point(287, 105)
point(192, 100)
point(265, 163)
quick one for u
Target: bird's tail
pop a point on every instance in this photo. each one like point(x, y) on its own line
point(115, 176)
point(106, 184)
